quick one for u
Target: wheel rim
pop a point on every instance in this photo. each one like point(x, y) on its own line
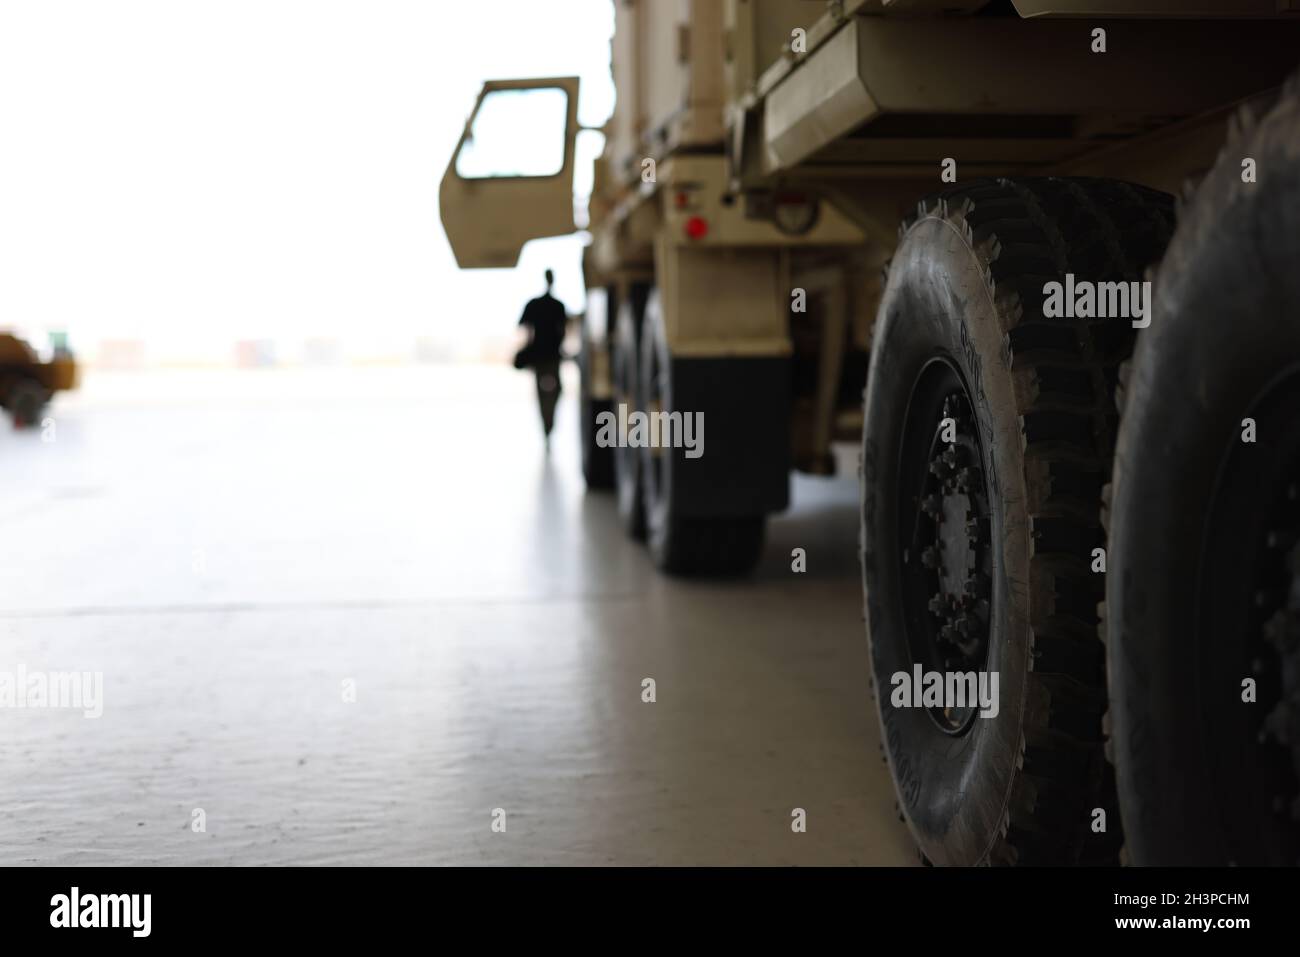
point(946, 554)
point(1249, 586)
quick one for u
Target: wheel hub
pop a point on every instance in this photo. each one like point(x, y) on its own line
point(1247, 610)
point(956, 506)
point(1281, 635)
point(947, 559)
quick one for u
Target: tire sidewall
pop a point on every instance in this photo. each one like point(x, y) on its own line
point(656, 483)
point(627, 464)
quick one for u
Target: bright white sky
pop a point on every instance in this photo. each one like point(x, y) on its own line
point(193, 172)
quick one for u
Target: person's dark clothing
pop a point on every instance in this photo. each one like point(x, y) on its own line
point(548, 390)
point(546, 318)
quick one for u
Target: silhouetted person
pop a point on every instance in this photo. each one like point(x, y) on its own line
point(546, 321)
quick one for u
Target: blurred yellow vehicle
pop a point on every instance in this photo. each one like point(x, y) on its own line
point(28, 380)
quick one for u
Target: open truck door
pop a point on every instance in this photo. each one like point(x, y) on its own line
point(511, 177)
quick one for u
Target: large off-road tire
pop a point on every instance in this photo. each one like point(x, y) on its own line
point(627, 376)
point(977, 553)
point(597, 459)
point(684, 544)
point(1202, 591)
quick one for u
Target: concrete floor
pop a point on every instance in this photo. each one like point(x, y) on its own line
point(230, 548)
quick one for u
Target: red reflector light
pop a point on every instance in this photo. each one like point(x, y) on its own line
point(697, 227)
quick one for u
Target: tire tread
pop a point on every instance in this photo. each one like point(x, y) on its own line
point(1037, 230)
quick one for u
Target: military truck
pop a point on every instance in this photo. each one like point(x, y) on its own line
point(948, 231)
point(28, 380)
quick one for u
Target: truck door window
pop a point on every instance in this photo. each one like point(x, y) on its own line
point(516, 133)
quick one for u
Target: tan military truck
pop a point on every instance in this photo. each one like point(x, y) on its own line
point(28, 380)
point(929, 226)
